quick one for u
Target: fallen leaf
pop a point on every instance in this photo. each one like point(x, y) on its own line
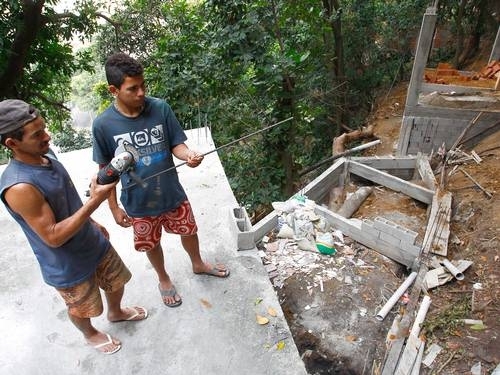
point(257, 301)
point(351, 338)
point(272, 311)
point(205, 303)
point(261, 319)
point(280, 345)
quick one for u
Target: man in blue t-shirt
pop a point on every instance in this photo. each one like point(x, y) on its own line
point(73, 251)
point(149, 126)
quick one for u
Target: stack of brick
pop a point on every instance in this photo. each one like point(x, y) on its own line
point(491, 71)
point(444, 74)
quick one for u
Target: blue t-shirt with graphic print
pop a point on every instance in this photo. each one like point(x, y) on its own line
point(153, 134)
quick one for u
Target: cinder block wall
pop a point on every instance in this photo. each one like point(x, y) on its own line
point(426, 129)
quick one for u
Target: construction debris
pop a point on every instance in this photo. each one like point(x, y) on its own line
point(440, 275)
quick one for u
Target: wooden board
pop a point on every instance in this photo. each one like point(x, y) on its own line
point(397, 184)
point(438, 225)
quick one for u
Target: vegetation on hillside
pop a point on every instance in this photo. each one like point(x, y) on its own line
point(236, 66)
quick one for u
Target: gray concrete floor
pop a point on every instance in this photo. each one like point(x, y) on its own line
point(214, 331)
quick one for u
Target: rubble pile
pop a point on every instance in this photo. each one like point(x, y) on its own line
point(304, 242)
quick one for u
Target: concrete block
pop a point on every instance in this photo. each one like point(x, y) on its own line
point(412, 249)
point(384, 225)
point(406, 235)
point(391, 240)
point(242, 228)
point(395, 230)
point(368, 228)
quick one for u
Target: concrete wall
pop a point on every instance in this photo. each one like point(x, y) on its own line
point(425, 130)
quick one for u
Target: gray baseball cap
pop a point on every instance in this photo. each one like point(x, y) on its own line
point(14, 114)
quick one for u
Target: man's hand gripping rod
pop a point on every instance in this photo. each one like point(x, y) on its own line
point(209, 152)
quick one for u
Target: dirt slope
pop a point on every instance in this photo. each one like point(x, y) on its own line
point(330, 301)
point(475, 236)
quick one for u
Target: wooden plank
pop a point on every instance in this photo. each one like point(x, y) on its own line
point(404, 133)
point(421, 55)
point(394, 352)
point(410, 354)
point(425, 171)
point(438, 224)
point(397, 184)
point(387, 162)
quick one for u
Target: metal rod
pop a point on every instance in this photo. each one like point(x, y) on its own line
point(339, 155)
point(214, 150)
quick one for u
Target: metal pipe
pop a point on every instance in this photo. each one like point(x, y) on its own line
point(453, 270)
point(338, 156)
point(394, 298)
point(214, 150)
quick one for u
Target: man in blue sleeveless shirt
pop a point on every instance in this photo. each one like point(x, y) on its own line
point(149, 125)
point(73, 251)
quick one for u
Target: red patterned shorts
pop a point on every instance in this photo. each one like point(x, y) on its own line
point(147, 230)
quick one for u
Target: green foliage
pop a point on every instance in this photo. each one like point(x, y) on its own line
point(70, 139)
point(237, 65)
point(242, 65)
point(87, 86)
point(36, 56)
point(449, 319)
point(5, 154)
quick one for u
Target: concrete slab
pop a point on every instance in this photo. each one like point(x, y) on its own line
point(214, 331)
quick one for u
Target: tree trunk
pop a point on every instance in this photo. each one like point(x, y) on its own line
point(336, 197)
point(333, 14)
point(24, 38)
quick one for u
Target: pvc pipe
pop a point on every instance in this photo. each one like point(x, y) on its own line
point(453, 270)
point(394, 298)
point(419, 319)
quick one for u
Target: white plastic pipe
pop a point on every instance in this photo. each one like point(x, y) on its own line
point(395, 297)
point(419, 319)
point(453, 270)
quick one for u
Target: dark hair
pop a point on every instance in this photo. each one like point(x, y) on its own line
point(119, 66)
point(16, 134)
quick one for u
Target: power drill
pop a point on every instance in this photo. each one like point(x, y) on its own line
point(125, 158)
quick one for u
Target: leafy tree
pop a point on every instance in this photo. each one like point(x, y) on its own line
point(241, 65)
point(72, 139)
point(470, 22)
point(36, 57)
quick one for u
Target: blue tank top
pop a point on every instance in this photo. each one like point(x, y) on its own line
point(77, 259)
